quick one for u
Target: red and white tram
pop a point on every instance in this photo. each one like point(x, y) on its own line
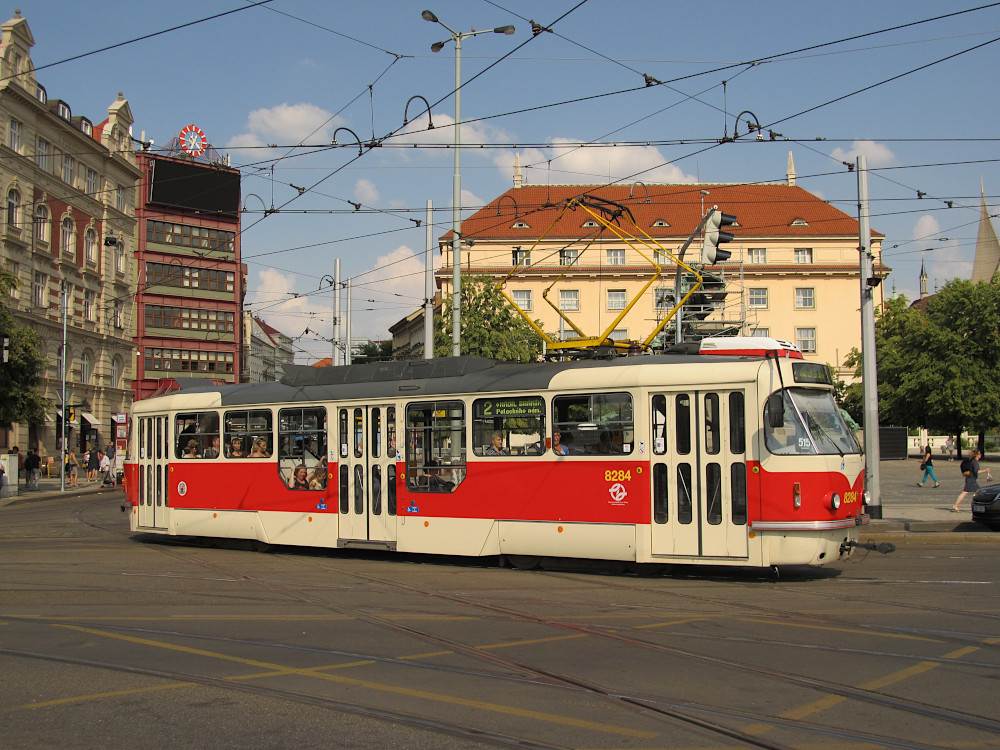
point(723, 459)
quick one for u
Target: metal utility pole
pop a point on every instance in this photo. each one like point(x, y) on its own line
point(348, 360)
point(869, 370)
point(62, 368)
point(429, 287)
point(336, 312)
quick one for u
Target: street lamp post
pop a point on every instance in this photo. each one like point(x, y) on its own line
point(456, 209)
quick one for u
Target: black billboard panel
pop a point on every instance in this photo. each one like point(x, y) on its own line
point(195, 187)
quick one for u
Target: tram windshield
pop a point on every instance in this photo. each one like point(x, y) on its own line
point(812, 425)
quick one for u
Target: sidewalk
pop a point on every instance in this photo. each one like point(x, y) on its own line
point(906, 508)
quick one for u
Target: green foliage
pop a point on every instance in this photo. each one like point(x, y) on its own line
point(491, 328)
point(373, 351)
point(938, 368)
point(20, 378)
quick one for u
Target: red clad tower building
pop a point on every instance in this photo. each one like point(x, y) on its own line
point(190, 283)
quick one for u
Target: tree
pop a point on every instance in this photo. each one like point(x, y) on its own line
point(20, 378)
point(373, 351)
point(490, 326)
point(938, 367)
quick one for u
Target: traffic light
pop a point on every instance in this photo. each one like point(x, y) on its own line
point(6, 350)
point(714, 236)
point(71, 414)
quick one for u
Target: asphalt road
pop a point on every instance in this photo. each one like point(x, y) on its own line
point(109, 639)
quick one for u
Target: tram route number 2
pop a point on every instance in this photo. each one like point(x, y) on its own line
point(617, 475)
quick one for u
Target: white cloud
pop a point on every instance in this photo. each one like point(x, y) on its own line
point(275, 297)
point(877, 154)
point(568, 164)
point(366, 192)
point(286, 124)
point(443, 134)
point(396, 284)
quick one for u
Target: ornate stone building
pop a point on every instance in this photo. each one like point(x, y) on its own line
point(67, 234)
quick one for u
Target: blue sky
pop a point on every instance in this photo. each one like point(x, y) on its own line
point(293, 71)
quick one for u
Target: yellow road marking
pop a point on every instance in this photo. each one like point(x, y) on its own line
point(378, 687)
point(98, 696)
point(859, 631)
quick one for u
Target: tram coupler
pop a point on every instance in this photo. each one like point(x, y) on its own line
point(882, 547)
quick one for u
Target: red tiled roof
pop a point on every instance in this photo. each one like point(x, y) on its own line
point(761, 210)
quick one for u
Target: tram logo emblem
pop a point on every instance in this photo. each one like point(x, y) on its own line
point(182, 488)
point(618, 493)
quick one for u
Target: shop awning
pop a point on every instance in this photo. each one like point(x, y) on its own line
point(94, 421)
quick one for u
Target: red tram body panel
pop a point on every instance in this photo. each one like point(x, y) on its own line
point(735, 459)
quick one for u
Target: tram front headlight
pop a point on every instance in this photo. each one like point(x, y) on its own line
point(835, 501)
point(866, 498)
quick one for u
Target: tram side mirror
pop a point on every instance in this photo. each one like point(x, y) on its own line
point(776, 410)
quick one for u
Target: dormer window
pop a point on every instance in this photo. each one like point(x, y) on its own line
point(63, 111)
point(40, 94)
point(520, 225)
point(86, 127)
point(589, 224)
point(661, 223)
point(799, 223)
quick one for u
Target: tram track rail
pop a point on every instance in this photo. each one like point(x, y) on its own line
point(648, 704)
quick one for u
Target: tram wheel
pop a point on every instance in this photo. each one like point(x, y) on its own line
point(524, 562)
point(645, 570)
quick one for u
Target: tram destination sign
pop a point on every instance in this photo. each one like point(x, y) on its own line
point(516, 406)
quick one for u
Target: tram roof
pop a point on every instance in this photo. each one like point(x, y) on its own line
point(414, 379)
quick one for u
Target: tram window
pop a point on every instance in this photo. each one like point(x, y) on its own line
point(738, 487)
point(375, 442)
point(342, 421)
point(594, 423)
point(520, 421)
point(435, 446)
point(712, 425)
point(247, 434)
point(359, 433)
point(684, 514)
point(390, 432)
point(302, 446)
point(659, 425)
point(682, 418)
point(197, 433)
point(390, 477)
point(345, 506)
point(159, 486)
point(376, 490)
point(713, 491)
point(661, 492)
point(737, 423)
point(359, 489)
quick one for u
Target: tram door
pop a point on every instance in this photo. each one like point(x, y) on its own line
point(367, 473)
point(699, 489)
point(151, 475)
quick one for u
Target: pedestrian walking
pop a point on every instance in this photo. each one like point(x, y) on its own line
point(93, 459)
point(970, 470)
point(928, 466)
point(32, 467)
point(949, 445)
point(72, 469)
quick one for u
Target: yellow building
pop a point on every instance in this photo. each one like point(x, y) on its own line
point(793, 274)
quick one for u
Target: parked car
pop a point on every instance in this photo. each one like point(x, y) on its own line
point(986, 507)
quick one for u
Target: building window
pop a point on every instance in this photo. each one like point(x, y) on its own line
point(567, 257)
point(168, 274)
point(85, 367)
point(13, 209)
point(664, 299)
point(14, 136)
point(522, 298)
point(569, 300)
point(806, 340)
point(616, 299)
point(91, 182)
point(42, 155)
point(116, 372)
point(41, 223)
point(619, 334)
point(757, 255)
point(64, 110)
point(184, 235)
point(616, 257)
point(90, 245)
point(190, 320)
point(67, 168)
point(89, 299)
point(764, 332)
point(182, 360)
point(116, 315)
point(520, 257)
point(120, 198)
point(15, 271)
point(120, 256)
point(66, 236)
point(805, 298)
point(758, 297)
point(803, 255)
point(38, 289)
